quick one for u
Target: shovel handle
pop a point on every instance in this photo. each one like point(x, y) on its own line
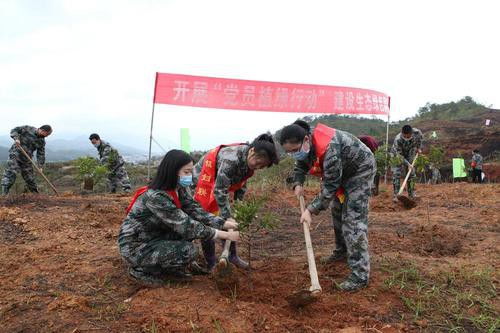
point(313, 272)
point(38, 169)
point(407, 175)
point(225, 251)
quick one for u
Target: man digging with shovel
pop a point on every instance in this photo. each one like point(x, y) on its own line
point(406, 145)
point(30, 139)
point(346, 167)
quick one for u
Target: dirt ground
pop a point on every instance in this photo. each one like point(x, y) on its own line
point(60, 270)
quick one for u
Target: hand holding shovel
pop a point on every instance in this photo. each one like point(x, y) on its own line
point(223, 273)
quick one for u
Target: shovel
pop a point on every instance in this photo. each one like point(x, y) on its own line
point(223, 273)
point(305, 297)
point(407, 201)
point(37, 169)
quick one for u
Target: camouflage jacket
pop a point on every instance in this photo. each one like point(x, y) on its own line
point(479, 161)
point(30, 141)
point(154, 216)
point(407, 149)
point(232, 167)
point(345, 157)
point(109, 156)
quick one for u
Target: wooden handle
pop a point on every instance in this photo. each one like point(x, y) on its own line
point(313, 272)
point(37, 169)
point(225, 251)
point(407, 175)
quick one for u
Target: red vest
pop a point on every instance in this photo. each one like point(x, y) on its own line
point(141, 190)
point(321, 138)
point(204, 193)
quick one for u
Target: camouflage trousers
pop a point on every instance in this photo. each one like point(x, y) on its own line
point(399, 171)
point(350, 222)
point(118, 177)
point(15, 165)
point(154, 260)
point(436, 176)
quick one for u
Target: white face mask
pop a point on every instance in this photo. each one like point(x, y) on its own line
point(96, 145)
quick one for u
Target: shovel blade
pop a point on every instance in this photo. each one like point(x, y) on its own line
point(406, 201)
point(302, 298)
point(225, 279)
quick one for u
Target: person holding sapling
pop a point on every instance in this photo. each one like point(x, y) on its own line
point(163, 219)
point(223, 170)
point(110, 157)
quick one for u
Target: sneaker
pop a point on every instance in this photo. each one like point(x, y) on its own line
point(196, 269)
point(352, 283)
point(337, 255)
point(238, 262)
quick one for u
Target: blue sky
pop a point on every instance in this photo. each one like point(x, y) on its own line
point(88, 66)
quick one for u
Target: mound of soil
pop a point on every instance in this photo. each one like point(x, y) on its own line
point(437, 240)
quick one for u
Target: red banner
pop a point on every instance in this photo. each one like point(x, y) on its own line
point(219, 93)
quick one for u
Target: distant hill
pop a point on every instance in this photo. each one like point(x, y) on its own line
point(459, 126)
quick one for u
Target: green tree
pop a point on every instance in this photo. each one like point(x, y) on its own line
point(382, 159)
point(252, 219)
point(90, 171)
point(436, 156)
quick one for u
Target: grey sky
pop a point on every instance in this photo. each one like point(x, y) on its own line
point(89, 66)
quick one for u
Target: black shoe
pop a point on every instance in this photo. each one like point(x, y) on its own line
point(352, 283)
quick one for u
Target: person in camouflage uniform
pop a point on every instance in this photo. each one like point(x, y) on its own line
point(234, 164)
point(343, 162)
point(163, 219)
point(405, 147)
point(114, 161)
point(31, 139)
point(435, 174)
point(477, 166)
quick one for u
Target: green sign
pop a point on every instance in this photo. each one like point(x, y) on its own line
point(459, 168)
point(185, 140)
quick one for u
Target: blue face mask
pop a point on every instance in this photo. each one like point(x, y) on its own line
point(186, 180)
point(303, 153)
point(300, 155)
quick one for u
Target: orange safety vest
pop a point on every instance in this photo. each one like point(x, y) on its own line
point(142, 190)
point(204, 192)
point(321, 138)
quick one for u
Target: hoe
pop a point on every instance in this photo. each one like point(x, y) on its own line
point(407, 201)
point(305, 297)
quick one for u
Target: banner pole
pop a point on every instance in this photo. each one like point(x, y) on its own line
point(387, 142)
point(151, 130)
